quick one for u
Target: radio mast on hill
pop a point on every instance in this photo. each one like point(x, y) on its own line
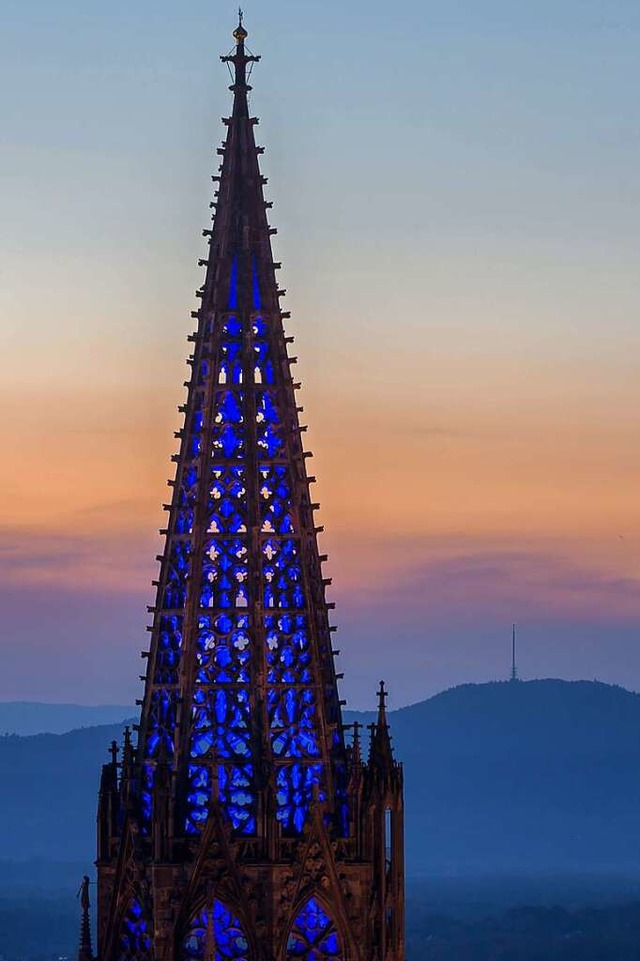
point(514, 667)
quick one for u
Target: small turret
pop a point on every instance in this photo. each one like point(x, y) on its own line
point(383, 797)
point(380, 749)
point(108, 805)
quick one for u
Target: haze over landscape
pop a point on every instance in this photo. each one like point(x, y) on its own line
point(526, 779)
point(521, 804)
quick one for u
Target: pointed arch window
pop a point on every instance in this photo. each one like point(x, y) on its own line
point(314, 936)
point(215, 932)
point(134, 943)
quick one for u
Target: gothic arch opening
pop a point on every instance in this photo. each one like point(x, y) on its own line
point(215, 932)
point(134, 943)
point(314, 935)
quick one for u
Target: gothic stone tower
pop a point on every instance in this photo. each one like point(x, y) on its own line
point(241, 826)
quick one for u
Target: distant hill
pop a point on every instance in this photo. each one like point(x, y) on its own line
point(524, 778)
point(33, 717)
point(49, 791)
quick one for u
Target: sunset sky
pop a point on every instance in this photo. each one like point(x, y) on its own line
point(457, 194)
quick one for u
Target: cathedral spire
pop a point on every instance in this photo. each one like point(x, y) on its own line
point(241, 690)
point(240, 767)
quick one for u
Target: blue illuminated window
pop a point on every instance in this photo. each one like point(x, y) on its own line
point(134, 943)
point(215, 933)
point(314, 936)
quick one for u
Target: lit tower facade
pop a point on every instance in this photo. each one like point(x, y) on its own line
point(242, 826)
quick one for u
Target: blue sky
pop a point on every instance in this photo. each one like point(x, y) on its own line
point(456, 192)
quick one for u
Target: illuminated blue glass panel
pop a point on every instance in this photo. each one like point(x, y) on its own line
point(184, 521)
point(293, 720)
point(223, 650)
point(198, 797)
point(227, 506)
point(264, 372)
point(229, 441)
point(189, 487)
point(220, 723)
point(224, 574)
point(169, 649)
point(230, 369)
point(162, 723)
point(134, 943)
point(175, 591)
point(275, 499)
point(215, 932)
point(295, 787)
point(266, 412)
point(146, 797)
point(314, 936)
point(288, 650)
point(236, 785)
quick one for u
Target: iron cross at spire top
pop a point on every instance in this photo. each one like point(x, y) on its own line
point(383, 694)
point(240, 58)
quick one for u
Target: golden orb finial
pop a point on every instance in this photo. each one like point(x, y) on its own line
point(240, 33)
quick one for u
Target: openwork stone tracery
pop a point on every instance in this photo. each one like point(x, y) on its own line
point(314, 936)
point(244, 824)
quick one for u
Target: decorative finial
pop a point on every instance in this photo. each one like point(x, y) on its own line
point(240, 59)
point(240, 33)
point(382, 706)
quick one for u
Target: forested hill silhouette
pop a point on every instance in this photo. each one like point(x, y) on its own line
point(524, 777)
point(35, 717)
